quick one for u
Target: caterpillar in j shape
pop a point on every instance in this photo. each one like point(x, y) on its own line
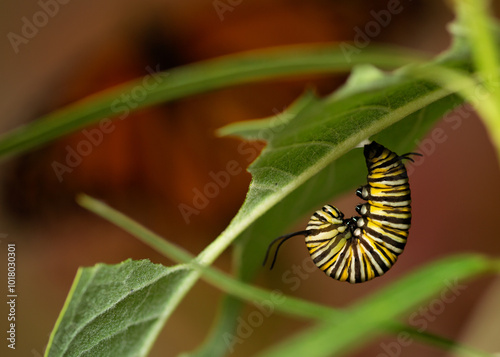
point(363, 247)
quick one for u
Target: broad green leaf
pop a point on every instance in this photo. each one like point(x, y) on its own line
point(193, 79)
point(321, 133)
point(365, 87)
point(325, 130)
point(294, 155)
point(264, 129)
point(115, 310)
point(364, 319)
point(345, 173)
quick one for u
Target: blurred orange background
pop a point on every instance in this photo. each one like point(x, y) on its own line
point(154, 158)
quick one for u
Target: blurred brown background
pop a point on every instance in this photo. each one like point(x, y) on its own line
point(154, 158)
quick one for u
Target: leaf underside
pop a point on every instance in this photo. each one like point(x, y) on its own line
point(115, 310)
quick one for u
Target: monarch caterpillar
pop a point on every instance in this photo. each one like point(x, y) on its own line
point(361, 248)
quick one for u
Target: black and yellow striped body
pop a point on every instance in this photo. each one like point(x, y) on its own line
point(361, 248)
point(328, 237)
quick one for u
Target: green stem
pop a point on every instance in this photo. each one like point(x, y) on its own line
point(485, 95)
point(468, 87)
point(475, 16)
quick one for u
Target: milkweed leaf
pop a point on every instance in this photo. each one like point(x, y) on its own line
point(115, 310)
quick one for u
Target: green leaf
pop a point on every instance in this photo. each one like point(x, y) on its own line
point(193, 79)
point(115, 310)
point(264, 129)
point(320, 134)
point(308, 119)
point(345, 173)
point(363, 78)
point(364, 319)
point(310, 161)
point(323, 131)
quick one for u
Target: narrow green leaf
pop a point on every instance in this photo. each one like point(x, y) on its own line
point(170, 250)
point(364, 319)
point(446, 344)
point(217, 341)
point(115, 310)
point(196, 78)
